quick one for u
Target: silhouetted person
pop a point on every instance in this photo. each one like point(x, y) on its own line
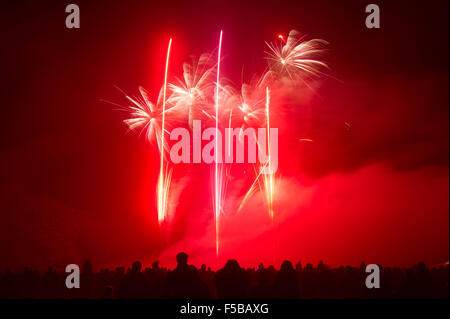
point(134, 284)
point(184, 281)
point(286, 282)
point(87, 278)
point(50, 284)
point(263, 288)
point(423, 282)
point(108, 292)
point(232, 281)
point(156, 278)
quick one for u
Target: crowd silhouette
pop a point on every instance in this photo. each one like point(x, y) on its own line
point(232, 281)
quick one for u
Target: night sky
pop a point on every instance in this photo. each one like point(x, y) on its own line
point(75, 185)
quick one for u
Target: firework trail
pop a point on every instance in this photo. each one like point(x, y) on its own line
point(265, 172)
point(217, 180)
point(252, 188)
point(268, 178)
point(164, 175)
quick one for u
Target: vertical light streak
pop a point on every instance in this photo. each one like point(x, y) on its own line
point(216, 174)
point(163, 186)
point(268, 178)
point(229, 132)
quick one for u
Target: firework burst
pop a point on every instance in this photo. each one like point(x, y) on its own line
point(193, 92)
point(296, 57)
point(145, 115)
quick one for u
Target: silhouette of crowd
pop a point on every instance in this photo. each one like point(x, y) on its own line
point(232, 281)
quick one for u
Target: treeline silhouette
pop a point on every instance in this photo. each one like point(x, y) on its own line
point(232, 281)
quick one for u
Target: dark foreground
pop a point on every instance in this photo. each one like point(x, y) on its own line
point(230, 282)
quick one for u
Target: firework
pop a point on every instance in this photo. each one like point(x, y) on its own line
point(193, 91)
point(202, 92)
point(145, 115)
point(296, 58)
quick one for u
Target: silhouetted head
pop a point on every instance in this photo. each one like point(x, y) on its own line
point(362, 266)
point(87, 267)
point(120, 270)
point(422, 268)
point(287, 266)
point(136, 267)
point(232, 264)
point(262, 277)
point(155, 264)
point(320, 265)
point(182, 259)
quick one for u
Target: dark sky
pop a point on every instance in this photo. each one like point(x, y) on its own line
point(73, 185)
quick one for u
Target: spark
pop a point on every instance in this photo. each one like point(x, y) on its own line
point(164, 177)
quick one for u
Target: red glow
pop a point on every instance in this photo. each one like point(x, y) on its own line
point(364, 160)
